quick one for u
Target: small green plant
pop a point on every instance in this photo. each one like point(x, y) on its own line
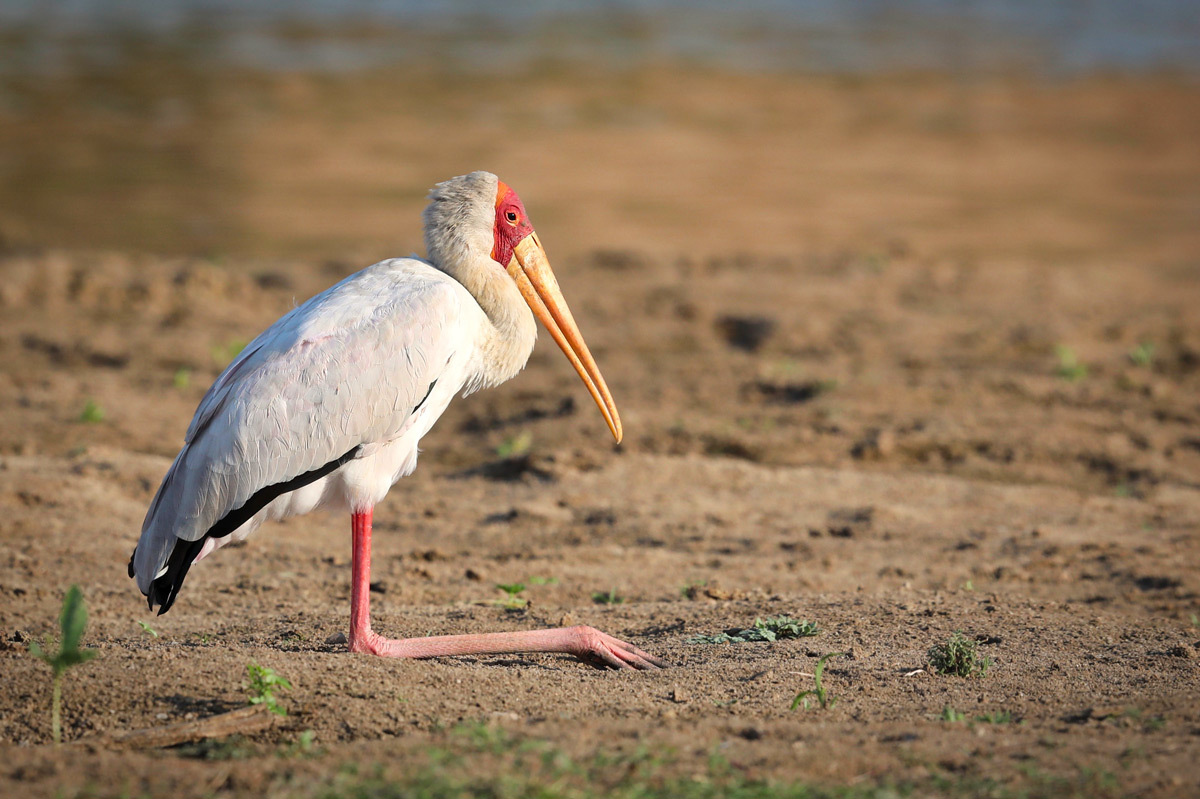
point(823, 698)
point(301, 747)
point(958, 656)
point(609, 597)
point(223, 354)
point(512, 600)
point(264, 682)
point(515, 446)
point(1070, 368)
point(995, 717)
point(72, 622)
point(233, 747)
point(146, 628)
point(1142, 354)
point(1149, 723)
point(543, 580)
point(776, 628)
point(182, 378)
point(92, 413)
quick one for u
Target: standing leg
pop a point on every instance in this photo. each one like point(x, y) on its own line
point(360, 582)
point(584, 642)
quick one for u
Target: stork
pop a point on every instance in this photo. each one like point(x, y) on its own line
point(326, 407)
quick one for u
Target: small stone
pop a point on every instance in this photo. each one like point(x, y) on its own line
point(679, 695)
point(335, 639)
point(161, 716)
point(1181, 651)
point(472, 574)
point(566, 620)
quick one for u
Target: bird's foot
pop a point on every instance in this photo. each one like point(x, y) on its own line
point(591, 644)
point(586, 643)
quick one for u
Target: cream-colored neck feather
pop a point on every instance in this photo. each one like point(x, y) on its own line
point(458, 240)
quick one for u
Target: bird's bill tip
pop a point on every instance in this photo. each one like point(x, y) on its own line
point(531, 270)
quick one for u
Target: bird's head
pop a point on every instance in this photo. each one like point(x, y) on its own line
point(460, 211)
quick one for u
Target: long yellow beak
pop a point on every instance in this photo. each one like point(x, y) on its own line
point(530, 269)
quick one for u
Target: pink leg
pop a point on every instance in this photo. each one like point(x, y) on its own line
point(584, 642)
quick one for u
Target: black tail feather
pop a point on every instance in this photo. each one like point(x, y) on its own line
point(164, 589)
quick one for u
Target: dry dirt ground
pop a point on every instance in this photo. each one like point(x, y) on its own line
point(899, 357)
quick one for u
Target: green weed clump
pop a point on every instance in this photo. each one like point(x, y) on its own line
point(775, 628)
point(72, 622)
point(264, 682)
point(958, 657)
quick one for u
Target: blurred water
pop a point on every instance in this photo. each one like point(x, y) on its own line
point(1056, 37)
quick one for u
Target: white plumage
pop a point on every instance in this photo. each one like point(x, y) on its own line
point(346, 369)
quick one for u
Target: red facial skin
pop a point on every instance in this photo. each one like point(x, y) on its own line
point(512, 224)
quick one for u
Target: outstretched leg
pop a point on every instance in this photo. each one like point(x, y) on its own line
point(583, 642)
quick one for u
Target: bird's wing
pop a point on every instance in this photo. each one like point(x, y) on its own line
point(339, 373)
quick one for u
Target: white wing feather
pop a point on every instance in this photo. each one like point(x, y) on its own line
point(345, 369)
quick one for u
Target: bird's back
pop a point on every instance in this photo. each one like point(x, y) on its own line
point(335, 379)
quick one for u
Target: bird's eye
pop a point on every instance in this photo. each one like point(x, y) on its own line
point(511, 216)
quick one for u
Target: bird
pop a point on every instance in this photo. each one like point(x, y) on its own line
point(325, 408)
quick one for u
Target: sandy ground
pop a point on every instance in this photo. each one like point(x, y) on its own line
point(898, 356)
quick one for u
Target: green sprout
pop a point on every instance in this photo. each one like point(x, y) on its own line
point(92, 413)
point(609, 597)
point(995, 717)
point(515, 446)
point(263, 684)
point(146, 628)
point(182, 378)
point(958, 657)
point(223, 354)
point(512, 600)
point(1142, 354)
point(72, 621)
point(1070, 368)
point(823, 698)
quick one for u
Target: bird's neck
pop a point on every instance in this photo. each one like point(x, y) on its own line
point(507, 341)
